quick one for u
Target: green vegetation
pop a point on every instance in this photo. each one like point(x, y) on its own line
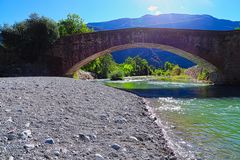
point(76, 75)
point(29, 39)
point(238, 28)
point(117, 75)
point(73, 24)
point(203, 75)
point(101, 67)
point(106, 67)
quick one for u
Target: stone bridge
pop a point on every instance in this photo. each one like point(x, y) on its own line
point(217, 50)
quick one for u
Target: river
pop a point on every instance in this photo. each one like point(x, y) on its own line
point(199, 120)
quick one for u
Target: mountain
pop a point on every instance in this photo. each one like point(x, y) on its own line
point(178, 21)
point(155, 57)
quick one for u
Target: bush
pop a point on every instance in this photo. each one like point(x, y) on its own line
point(117, 75)
point(176, 71)
point(204, 75)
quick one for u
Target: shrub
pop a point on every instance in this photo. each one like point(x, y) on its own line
point(117, 75)
point(176, 71)
point(76, 75)
point(204, 75)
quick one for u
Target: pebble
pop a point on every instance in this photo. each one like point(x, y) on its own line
point(98, 157)
point(10, 158)
point(7, 110)
point(103, 117)
point(133, 138)
point(56, 153)
point(25, 134)
point(49, 141)
point(11, 137)
point(84, 138)
point(27, 124)
point(9, 119)
point(92, 136)
point(29, 146)
point(116, 146)
point(120, 120)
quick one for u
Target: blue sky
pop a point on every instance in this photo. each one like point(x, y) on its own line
point(103, 10)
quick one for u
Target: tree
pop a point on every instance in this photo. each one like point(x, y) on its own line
point(168, 66)
point(238, 28)
point(102, 66)
point(73, 24)
point(31, 37)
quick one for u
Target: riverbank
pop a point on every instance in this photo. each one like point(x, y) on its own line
point(181, 78)
point(60, 118)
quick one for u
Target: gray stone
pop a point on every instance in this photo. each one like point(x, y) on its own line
point(49, 141)
point(84, 138)
point(7, 110)
point(92, 136)
point(98, 157)
point(25, 134)
point(29, 146)
point(11, 137)
point(116, 146)
point(56, 153)
point(132, 138)
point(27, 124)
point(120, 120)
point(10, 158)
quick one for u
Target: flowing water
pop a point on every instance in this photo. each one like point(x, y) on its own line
point(199, 120)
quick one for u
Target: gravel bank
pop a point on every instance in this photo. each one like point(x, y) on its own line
point(60, 118)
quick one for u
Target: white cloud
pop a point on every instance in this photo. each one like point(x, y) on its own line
point(154, 10)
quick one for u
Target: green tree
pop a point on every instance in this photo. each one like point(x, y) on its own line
point(137, 66)
point(168, 66)
point(101, 66)
point(73, 24)
point(31, 37)
point(238, 28)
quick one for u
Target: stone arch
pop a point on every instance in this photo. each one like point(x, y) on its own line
point(194, 58)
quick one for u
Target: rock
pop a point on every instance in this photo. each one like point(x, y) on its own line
point(7, 110)
point(132, 138)
point(63, 150)
point(27, 124)
point(19, 110)
point(116, 146)
point(84, 138)
point(29, 146)
point(92, 136)
point(49, 141)
point(25, 134)
point(56, 153)
point(11, 137)
point(10, 120)
point(120, 120)
point(98, 157)
point(104, 117)
point(10, 158)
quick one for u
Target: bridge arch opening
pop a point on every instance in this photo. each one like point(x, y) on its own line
point(195, 59)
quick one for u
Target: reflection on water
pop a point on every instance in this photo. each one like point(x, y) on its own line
point(197, 118)
point(154, 89)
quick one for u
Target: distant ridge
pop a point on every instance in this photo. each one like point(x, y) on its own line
point(178, 21)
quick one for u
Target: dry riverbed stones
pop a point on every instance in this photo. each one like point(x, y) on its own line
point(60, 118)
